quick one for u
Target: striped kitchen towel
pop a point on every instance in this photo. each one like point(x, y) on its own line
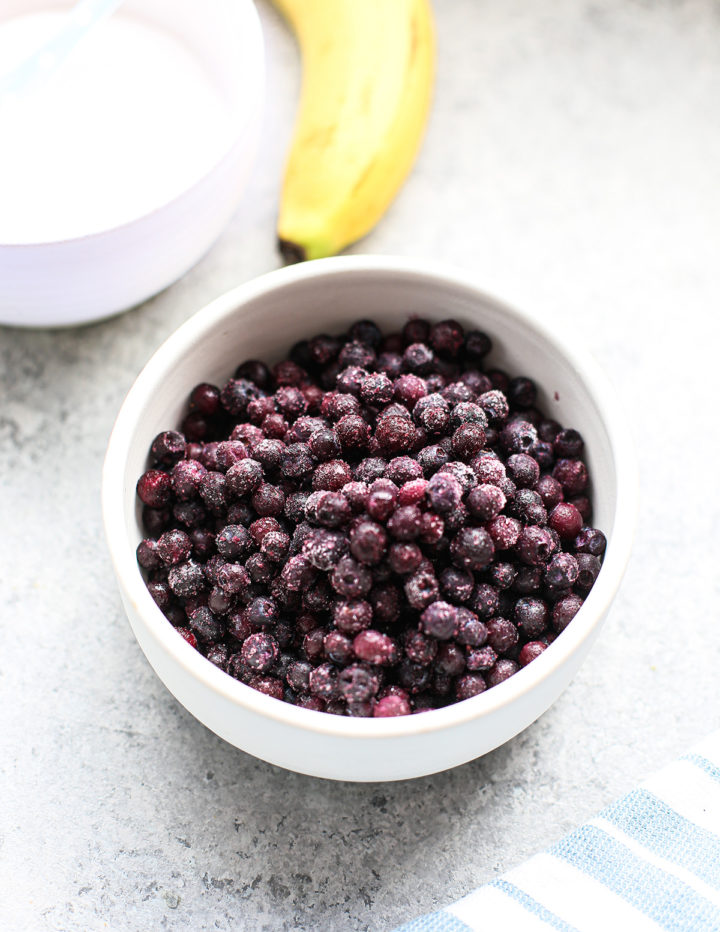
point(650, 861)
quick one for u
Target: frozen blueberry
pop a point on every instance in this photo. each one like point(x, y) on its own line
point(203, 624)
point(469, 685)
point(531, 617)
point(323, 681)
point(353, 432)
point(564, 611)
point(418, 358)
point(572, 475)
point(470, 630)
point(390, 706)
point(444, 493)
point(331, 476)
point(233, 542)
point(530, 652)
point(440, 621)
point(351, 579)
point(404, 558)
point(456, 584)
point(237, 394)
point(480, 659)
point(357, 683)
point(375, 647)
point(395, 434)
point(324, 548)
point(205, 399)
point(405, 524)
point(420, 648)
point(561, 571)
point(173, 547)
point(368, 542)
point(154, 488)
point(259, 652)
point(187, 579)
point(338, 647)
point(588, 570)
point(296, 461)
point(535, 545)
point(500, 671)
point(262, 613)
point(168, 447)
point(590, 540)
point(450, 659)
point(472, 548)
point(421, 589)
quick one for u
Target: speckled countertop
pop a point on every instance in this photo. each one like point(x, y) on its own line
point(573, 163)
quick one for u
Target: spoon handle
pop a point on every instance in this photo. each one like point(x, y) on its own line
point(49, 57)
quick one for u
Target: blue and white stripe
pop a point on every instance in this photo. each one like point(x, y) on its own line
point(649, 862)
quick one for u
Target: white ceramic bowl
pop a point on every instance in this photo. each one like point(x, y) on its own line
point(73, 281)
point(262, 319)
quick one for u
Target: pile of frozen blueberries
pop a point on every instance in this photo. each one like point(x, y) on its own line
point(375, 526)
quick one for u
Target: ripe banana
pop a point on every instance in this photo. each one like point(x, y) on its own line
point(368, 69)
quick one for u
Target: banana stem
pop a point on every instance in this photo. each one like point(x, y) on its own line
point(291, 252)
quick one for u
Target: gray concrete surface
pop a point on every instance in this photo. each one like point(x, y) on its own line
point(573, 162)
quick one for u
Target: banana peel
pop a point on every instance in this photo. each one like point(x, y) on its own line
point(368, 70)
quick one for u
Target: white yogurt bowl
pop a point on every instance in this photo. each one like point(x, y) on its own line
point(58, 280)
point(262, 319)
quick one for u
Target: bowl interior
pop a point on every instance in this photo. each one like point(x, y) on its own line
point(224, 37)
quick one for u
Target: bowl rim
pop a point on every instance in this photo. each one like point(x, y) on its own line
point(233, 691)
point(253, 61)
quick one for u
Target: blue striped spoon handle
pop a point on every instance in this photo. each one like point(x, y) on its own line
point(43, 63)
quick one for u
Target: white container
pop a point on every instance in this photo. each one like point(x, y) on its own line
point(104, 271)
point(262, 319)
